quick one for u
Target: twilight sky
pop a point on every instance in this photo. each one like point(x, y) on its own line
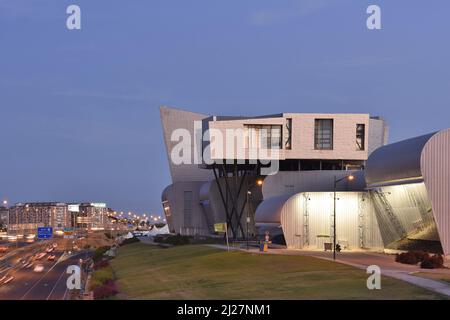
point(79, 110)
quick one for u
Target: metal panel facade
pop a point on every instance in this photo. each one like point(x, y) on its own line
point(435, 165)
point(307, 218)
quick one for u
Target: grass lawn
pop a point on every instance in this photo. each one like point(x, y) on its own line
point(201, 272)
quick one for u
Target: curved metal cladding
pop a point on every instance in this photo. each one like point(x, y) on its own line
point(307, 221)
point(406, 181)
point(435, 167)
point(396, 163)
point(277, 189)
point(293, 182)
point(269, 211)
point(183, 209)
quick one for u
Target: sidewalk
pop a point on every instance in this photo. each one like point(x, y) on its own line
point(362, 260)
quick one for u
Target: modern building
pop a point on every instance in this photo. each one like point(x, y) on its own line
point(27, 217)
point(4, 215)
point(290, 174)
point(89, 216)
point(218, 163)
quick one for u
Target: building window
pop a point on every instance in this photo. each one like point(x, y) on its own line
point(288, 143)
point(188, 208)
point(264, 136)
point(323, 134)
point(360, 137)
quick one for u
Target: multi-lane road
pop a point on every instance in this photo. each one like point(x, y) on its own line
point(29, 284)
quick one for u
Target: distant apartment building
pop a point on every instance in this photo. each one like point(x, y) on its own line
point(27, 217)
point(90, 216)
point(4, 215)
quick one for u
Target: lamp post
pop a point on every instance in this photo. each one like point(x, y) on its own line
point(249, 193)
point(259, 182)
point(336, 181)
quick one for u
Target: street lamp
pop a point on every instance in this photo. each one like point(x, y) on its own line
point(336, 181)
point(259, 182)
point(249, 193)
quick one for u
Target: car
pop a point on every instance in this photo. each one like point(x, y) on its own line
point(2, 279)
point(50, 249)
point(40, 256)
point(8, 280)
point(38, 268)
point(55, 245)
point(51, 257)
point(29, 265)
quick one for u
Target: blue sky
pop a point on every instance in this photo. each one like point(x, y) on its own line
point(79, 110)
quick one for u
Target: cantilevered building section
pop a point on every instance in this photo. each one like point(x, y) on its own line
point(409, 183)
point(291, 152)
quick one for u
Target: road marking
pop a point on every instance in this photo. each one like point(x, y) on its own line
point(65, 294)
point(54, 287)
point(37, 282)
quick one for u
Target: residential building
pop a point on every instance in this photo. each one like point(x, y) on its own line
point(90, 216)
point(4, 215)
point(27, 217)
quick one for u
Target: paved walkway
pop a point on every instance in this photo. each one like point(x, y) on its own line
point(363, 259)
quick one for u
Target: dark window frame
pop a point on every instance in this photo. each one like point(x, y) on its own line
point(268, 129)
point(323, 134)
point(360, 137)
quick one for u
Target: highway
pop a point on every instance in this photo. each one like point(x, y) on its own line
point(27, 284)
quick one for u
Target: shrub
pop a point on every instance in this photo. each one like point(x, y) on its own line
point(433, 262)
point(101, 264)
point(98, 253)
point(158, 239)
point(103, 275)
point(129, 241)
point(421, 255)
point(411, 257)
point(105, 290)
point(177, 240)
